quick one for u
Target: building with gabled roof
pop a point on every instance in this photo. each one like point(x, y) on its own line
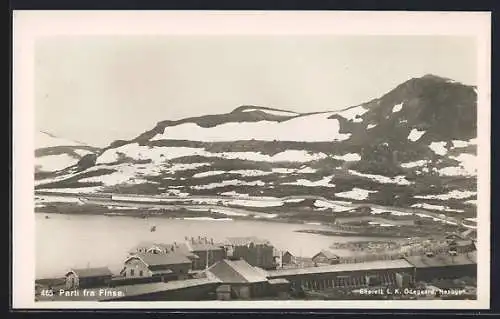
point(166, 266)
point(444, 266)
point(245, 280)
point(88, 277)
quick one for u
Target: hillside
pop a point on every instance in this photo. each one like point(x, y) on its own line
point(53, 153)
point(413, 147)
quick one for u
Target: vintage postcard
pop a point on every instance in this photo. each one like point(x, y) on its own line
point(251, 159)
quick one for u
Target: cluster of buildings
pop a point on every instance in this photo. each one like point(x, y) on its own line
point(251, 268)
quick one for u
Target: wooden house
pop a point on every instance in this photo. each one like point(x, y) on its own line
point(88, 278)
point(166, 266)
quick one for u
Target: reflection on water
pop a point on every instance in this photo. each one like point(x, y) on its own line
point(64, 241)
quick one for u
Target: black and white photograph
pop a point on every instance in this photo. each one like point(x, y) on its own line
point(210, 159)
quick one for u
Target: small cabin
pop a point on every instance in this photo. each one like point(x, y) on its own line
point(326, 257)
point(88, 278)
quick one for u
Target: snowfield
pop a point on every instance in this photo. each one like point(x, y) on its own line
point(397, 108)
point(324, 182)
point(249, 172)
point(334, 206)
point(52, 163)
point(233, 182)
point(208, 173)
point(439, 148)
point(162, 154)
point(455, 194)
point(256, 203)
point(350, 157)
point(325, 129)
point(370, 126)
point(467, 162)
point(436, 207)
point(415, 135)
point(414, 164)
point(399, 180)
point(273, 112)
point(356, 193)
point(460, 143)
point(353, 114)
point(57, 199)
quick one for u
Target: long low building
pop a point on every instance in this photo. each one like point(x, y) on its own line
point(429, 268)
point(345, 275)
point(178, 290)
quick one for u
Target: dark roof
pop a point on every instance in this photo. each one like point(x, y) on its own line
point(364, 266)
point(150, 288)
point(237, 271)
point(327, 253)
point(161, 259)
point(442, 260)
point(243, 241)
point(196, 247)
point(91, 272)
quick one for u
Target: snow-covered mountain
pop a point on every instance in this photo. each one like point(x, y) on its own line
point(413, 147)
point(54, 153)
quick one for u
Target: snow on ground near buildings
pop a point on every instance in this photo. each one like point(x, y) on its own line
point(51, 163)
point(356, 193)
point(324, 182)
point(290, 130)
point(397, 108)
point(415, 135)
point(273, 112)
point(399, 180)
point(436, 207)
point(353, 114)
point(438, 147)
point(161, 154)
point(455, 194)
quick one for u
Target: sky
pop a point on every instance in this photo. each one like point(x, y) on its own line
point(98, 89)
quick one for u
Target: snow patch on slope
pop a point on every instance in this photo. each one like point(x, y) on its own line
point(294, 129)
point(439, 148)
point(356, 193)
point(51, 163)
point(415, 135)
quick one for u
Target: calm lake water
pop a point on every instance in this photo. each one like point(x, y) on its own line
point(66, 241)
